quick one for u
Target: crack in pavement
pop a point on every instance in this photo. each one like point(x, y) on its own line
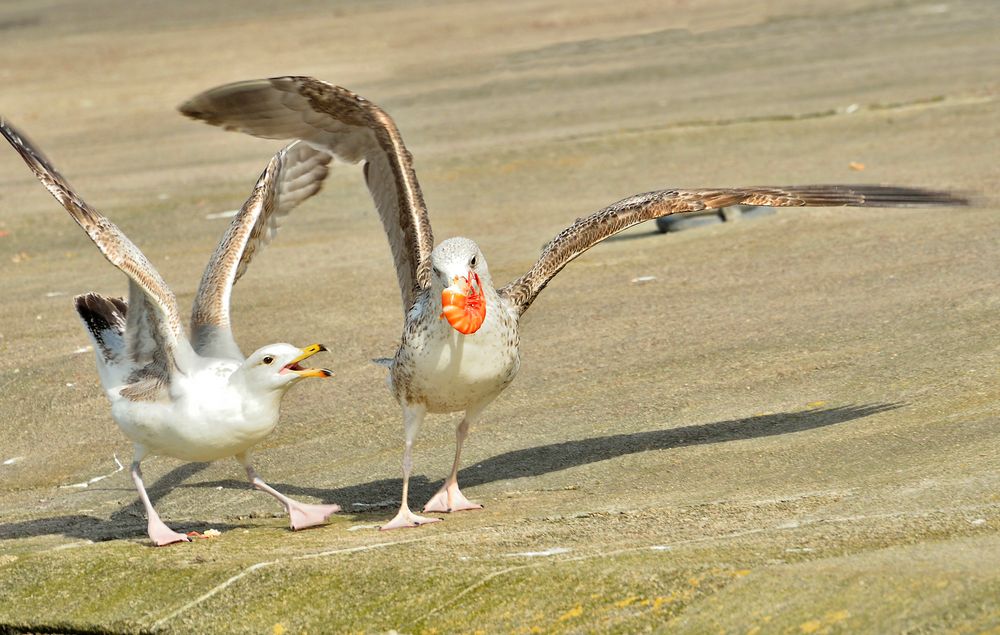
point(920, 103)
point(158, 624)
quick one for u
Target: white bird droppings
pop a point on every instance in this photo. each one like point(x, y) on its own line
point(83, 484)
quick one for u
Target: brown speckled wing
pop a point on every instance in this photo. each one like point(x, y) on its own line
point(293, 175)
point(351, 128)
point(587, 232)
point(154, 338)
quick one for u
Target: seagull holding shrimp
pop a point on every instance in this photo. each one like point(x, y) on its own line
point(197, 399)
point(459, 347)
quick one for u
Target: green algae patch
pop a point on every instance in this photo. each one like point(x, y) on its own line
point(119, 585)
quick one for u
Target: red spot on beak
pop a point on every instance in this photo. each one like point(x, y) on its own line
point(463, 304)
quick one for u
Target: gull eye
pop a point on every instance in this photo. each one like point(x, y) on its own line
point(268, 359)
point(472, 263)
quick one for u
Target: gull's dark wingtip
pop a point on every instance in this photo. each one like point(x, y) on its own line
point(878, 196)
point(906, 196)
point(23, 145)
point(9, 132)
point(191, 110)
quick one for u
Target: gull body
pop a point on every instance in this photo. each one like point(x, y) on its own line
point(196, 399)
point(213, 413)
point(447, 366)
point(443, 369)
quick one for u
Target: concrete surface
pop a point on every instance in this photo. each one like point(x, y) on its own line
point(792, 429)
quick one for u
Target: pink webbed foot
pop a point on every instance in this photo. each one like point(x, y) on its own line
point(162, 535)
point(450, 499)
point(302, 515)
point(406, 518)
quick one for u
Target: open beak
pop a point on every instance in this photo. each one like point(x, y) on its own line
point(294, 367)
point(463, 304)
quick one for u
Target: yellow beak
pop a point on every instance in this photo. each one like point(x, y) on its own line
point(308, 351)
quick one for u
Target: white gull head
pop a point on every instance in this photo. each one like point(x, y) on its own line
point(276, 367)
point(458, 257)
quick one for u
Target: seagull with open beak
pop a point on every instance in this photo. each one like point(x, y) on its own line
point(194, 398)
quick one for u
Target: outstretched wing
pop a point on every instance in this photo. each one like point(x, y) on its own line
point(351, 128)
point(154, 337)
point(293, 175)
point(587, 232)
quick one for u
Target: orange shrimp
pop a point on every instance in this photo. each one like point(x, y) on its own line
point(463, 304)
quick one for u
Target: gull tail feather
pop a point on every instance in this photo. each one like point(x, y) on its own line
point(105, 318)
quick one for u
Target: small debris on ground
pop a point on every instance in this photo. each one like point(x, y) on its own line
point(207, 535)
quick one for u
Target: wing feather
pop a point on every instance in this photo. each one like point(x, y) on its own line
point(351, 128)
point(587, 232)
point(154, 336)
point(293, 175)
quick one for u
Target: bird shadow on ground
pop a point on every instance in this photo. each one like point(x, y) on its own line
point(129, 522)
point(554, 457)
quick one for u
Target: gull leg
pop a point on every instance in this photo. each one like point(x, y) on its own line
point(449, 498)
point(158, 532)
point(412, 417)
point(301, 515)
